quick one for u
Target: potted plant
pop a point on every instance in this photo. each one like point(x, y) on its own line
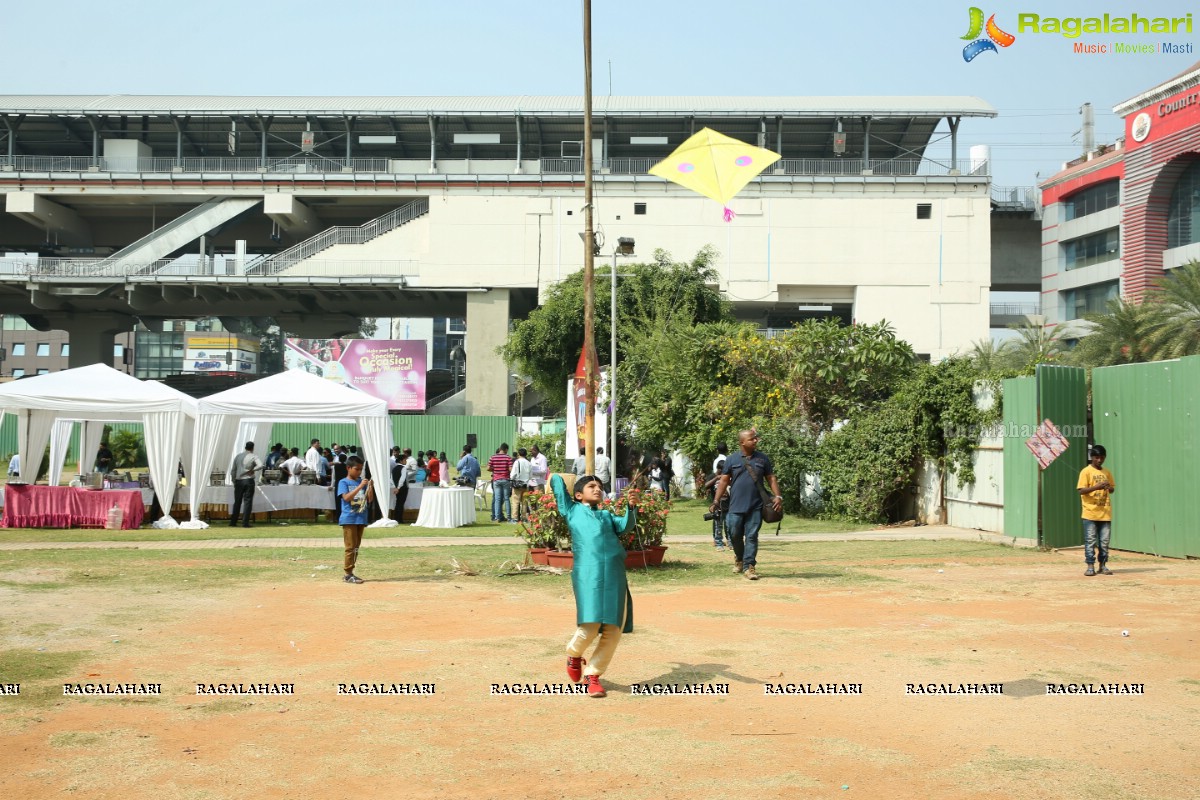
point(643, 542)
point(643, 545)
point(652, 510)
point(543, 530)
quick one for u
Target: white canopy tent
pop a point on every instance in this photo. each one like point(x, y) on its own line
point(94, 395)
point(291, 396)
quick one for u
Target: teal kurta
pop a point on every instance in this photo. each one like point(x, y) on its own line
point(598, 576)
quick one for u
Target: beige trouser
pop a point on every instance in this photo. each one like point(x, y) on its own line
point(518, 502)
point(610, 637)
point(352, 537)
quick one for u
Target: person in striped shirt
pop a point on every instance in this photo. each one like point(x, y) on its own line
point(500, 465)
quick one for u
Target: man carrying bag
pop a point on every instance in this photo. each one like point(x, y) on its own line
point(749, 502)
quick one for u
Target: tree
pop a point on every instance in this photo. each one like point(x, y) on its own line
point(819, 371)
point(989, 358)
point(1175, 331)
point(1120, 335)
point(651, 298)
point(701, 384)
point(1035, 345)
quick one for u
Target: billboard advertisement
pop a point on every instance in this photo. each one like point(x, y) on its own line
point(210, 353)
point(391, 369)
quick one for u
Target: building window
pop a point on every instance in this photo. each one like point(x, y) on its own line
point(118, 350)
point(639, 209)
point(1093, 199)
point(1090, 299)
point(65, 350)
point(924, 210)
point(19, 349)
point(1093, 249)
point(43, 371)
point(1183, 213)
point(43, 349)
point(18, 373)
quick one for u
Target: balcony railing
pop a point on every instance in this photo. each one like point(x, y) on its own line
point(789, 166)
point(1014, 309)
point(1024, 198)
point(193, 266)
point(385, 166)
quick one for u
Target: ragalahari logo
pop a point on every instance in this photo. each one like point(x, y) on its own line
point(995, 36)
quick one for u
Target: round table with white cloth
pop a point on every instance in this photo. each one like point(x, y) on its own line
point(446, 508)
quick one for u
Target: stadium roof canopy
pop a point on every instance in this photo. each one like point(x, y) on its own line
point(406, 127)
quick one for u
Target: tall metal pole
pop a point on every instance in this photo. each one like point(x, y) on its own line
point(612, 375)
point(589, 272)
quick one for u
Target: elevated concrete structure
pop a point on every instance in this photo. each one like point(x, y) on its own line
point(866, 225)
point(64, 227)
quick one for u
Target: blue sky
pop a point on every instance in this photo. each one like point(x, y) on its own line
point(771, 47)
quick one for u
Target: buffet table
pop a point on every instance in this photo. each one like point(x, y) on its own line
point(278, 498)
point(446, 508)
point(274, 497)
point(31, 506)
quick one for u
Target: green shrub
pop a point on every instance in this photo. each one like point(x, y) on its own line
point(128, 449)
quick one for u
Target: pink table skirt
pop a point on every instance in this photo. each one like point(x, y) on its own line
point(68, 507)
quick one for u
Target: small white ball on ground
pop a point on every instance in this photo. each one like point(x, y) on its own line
point(1124, 633)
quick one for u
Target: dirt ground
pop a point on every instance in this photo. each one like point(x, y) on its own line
point(1023, 623)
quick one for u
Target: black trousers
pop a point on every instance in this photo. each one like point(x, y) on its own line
point(243, 490)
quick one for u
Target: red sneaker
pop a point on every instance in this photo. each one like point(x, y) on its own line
point(575, 668)
point(594, 687)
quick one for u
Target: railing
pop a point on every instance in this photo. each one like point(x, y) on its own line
point(1026, 198)
point(223, 165)
point(549, 166)
point(1014, 309)
point(879, 166)
point(342, 235)
point(192, 266)
point(790, 166)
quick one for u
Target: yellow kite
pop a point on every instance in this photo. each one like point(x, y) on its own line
point(714, 165)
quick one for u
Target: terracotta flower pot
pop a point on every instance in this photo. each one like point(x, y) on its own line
point(636, 558)
point(537, 555)
point(564, 559)
point(654, 554)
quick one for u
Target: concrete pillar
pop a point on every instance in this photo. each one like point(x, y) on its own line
point(487, 374)
point(62, 225)
point(91, 336)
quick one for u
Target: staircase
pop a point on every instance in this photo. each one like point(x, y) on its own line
point(340, 235)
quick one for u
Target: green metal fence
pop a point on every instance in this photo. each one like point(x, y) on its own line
point(1020, 411)
point(1145, 415)
point(8, 437)
point(440, 433)
point(1042, 505)
point(1062, 399)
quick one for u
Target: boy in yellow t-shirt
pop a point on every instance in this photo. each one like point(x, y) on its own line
point(1095, 487)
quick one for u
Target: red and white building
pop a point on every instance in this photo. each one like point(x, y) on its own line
point(1121, 217)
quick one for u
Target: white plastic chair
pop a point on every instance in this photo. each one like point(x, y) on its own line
point(481, 488)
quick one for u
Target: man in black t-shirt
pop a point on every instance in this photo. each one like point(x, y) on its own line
point(741, 477)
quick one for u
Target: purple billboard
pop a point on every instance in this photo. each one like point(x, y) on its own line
point(391, 369)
